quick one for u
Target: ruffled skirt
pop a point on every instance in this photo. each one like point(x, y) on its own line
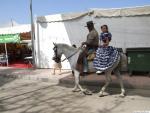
point(105, 57)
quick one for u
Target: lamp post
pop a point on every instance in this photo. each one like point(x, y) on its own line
point(32, 34)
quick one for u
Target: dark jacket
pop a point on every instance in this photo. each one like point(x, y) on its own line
point(92, 39)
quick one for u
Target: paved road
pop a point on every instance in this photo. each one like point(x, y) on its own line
point(32, 96)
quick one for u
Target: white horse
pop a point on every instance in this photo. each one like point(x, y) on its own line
point(72, 54)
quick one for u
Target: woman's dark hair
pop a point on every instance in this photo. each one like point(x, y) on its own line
point(104, 26)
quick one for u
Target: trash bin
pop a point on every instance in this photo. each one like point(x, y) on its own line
point(138, 59)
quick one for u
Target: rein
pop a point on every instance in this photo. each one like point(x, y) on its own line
point(71, 55)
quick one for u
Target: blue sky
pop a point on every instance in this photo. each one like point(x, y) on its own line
point(18, 10)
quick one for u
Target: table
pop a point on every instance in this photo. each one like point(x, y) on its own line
point(29, 59)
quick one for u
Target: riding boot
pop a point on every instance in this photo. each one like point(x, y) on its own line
point(80, 62)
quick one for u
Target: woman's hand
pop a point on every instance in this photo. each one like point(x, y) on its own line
point(106, 42)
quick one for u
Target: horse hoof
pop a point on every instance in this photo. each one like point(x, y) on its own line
point(87, 92)
point(76, 90)
point(101, 95)
point(122, 95)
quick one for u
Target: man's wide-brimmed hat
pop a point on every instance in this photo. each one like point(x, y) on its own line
point(89, 23)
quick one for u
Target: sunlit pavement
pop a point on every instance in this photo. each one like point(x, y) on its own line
point(33, 96)
point(38, 91)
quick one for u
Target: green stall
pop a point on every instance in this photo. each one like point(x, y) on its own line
point(9, 38)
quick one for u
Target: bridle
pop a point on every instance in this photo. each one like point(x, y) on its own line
point(57, 58)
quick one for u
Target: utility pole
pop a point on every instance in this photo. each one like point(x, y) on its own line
point(32, 34)
point(6, 52)
point(12, 24)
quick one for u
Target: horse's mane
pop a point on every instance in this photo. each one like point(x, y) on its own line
point(62, 45)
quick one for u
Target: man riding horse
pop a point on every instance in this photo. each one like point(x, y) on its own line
point(91, 43)
point(76, 58)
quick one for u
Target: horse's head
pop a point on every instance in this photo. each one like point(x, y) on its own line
point(57, 53)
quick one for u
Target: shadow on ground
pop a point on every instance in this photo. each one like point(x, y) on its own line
point(136, 85)
point(9, 74)
point(48, 99)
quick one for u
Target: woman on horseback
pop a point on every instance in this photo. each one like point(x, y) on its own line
point(106, 55)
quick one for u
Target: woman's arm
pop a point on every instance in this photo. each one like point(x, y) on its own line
point(106, 42)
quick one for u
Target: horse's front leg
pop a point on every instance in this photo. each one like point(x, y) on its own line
point(84, 91)
point(75, 89)
point(77, 85)
point(108, 80)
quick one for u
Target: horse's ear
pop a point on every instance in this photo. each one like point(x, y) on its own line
point(54, 44)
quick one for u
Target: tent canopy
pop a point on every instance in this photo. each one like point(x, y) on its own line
point(14, 34)
point(96, 12)
point(9, 38)
point(16, 29)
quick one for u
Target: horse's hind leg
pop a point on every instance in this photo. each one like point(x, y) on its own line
point(117, 73)
point(108, 80)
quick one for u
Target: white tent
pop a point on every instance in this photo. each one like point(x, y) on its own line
point(130, 27)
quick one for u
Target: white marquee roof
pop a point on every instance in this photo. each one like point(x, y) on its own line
point(15, 29)
point(133, 11)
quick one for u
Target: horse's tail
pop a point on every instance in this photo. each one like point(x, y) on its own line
point(123, 61)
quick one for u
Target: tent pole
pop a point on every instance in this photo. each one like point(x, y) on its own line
point(6, 53)
point(32, 35)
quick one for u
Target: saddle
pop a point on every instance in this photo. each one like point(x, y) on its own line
point(91, 55)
